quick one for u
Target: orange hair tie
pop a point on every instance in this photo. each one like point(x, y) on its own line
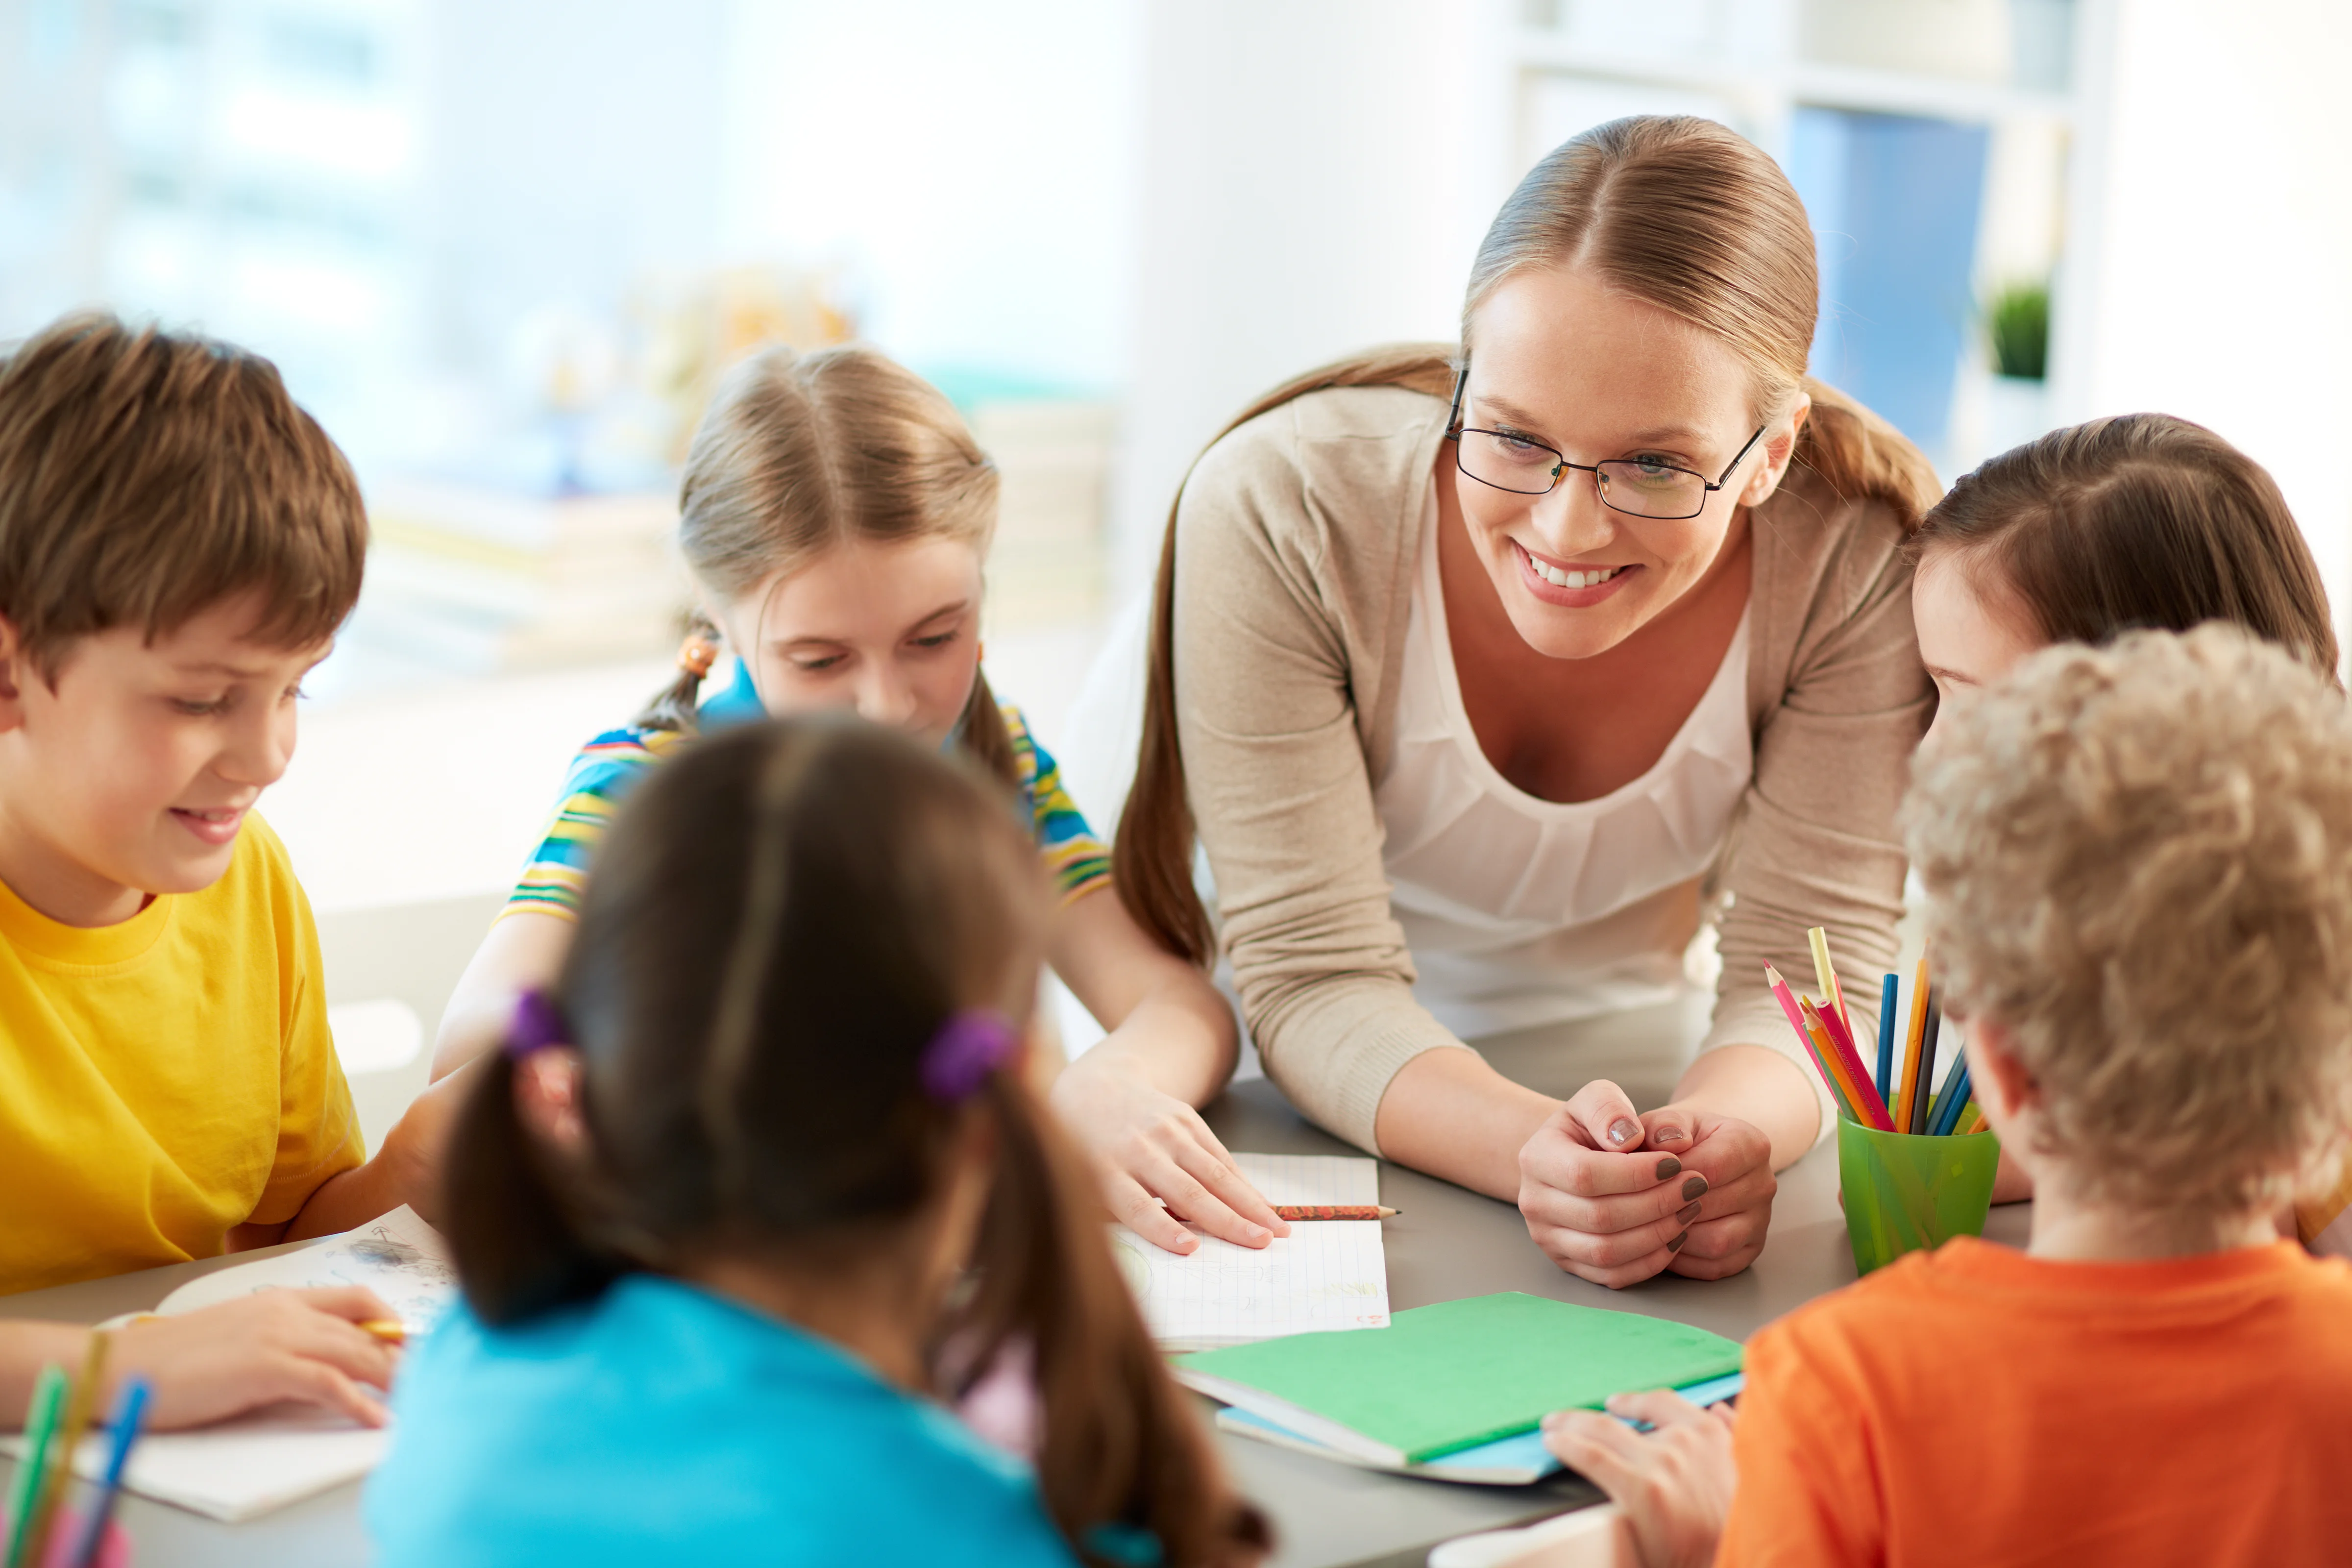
point(696, 654)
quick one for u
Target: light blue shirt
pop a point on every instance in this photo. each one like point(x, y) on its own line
point(662, 1424)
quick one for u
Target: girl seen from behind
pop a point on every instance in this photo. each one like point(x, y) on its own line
point(758, 1180)
point(835, 515)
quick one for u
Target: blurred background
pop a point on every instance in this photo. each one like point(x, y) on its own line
point(500, 248)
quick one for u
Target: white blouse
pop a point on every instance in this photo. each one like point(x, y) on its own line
point(1521, 911)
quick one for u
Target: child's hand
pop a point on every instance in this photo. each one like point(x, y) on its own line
point(1675, 1483)
point(1149, 1149)
point(273, 1345)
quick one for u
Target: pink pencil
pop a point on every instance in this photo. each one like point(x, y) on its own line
point(1850, 1060)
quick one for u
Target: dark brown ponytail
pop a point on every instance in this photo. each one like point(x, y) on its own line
point(752, 1024)
point(1120, 1447)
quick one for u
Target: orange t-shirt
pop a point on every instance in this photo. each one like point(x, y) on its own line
point(1977, 1405)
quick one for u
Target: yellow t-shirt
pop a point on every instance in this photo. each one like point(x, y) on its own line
point(165, 1079)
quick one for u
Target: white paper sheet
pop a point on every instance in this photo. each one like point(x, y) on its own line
point(398, 1256)
point(1327, 1274)
point(267, 1458)
point(238, 1469)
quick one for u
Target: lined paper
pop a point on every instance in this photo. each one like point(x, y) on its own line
point(1325, 1274)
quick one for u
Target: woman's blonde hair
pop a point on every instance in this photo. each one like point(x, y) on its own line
point(799, 453)
point(1674, 211)
point(2139, 862)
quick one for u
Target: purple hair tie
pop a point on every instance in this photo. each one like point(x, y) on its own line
point(536, 1025)
point(969, 1047)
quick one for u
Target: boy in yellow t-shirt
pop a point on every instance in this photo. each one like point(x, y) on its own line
point(178, 542)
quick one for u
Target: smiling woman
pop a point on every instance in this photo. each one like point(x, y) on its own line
point(1467, 666)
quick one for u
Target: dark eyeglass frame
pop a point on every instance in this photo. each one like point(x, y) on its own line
point(1455, 432)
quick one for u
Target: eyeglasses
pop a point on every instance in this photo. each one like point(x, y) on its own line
point(1638, 486)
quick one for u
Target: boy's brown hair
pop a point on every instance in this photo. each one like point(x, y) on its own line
point(146, 475)
point(2138, 861)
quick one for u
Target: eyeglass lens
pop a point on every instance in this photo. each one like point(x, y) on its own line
point(1626, 485)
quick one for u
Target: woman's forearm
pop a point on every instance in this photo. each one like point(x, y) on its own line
point(1450, 1114)
point(1761, 1088)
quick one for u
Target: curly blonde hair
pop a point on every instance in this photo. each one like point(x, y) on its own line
point(2138, 861)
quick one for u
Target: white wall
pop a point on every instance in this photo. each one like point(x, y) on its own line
point(972, 166)
point(1318, 174)
point(2221, 285)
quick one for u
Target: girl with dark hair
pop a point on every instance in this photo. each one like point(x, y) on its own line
point(2137, 522)
point(758, 1181)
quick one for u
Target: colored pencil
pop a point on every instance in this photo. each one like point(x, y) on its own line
point(1788, 1001)
point(391, 1330)
point(1919, 1102)
point(129, 1412)
point(1954, 1076)
point(1846, 1066)
point(82, 1402)
point(1886, 1039)
point(40, 1423)
point(1908, 1089)
point(1333, 1211)
point(1972, 1119)
point(1826, 972)
point(1949, 1116)
point(1850, 1060)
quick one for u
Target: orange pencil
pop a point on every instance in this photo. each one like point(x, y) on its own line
point(1907, 1095)
point(1781, 993)
point(1865, 1091)
point(1827, 1046)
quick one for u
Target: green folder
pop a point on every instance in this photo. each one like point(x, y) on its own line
point(1455, 1374)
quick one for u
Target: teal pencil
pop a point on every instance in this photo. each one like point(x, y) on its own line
point(1955, 1077)
point(1955, 1095)
point(41, 1422)
point(1886, 1042)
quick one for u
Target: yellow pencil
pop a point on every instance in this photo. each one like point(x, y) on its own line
point(1826, 972)
point(391, 1330)
point(79, 1404)
point(1909, 1091)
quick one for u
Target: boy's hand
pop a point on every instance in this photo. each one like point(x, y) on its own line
point(273, 1345)
point(1675, 1483)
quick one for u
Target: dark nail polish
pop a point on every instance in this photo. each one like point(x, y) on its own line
point(1686, 1214)
point(1676, 1244)
point(1695, 1187)
point(1669, 1166)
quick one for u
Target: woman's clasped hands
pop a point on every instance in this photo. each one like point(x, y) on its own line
point(1615, 1197)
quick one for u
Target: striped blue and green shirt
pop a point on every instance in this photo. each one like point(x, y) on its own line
point(609, 766)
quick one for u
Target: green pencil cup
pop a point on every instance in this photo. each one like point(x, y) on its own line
point(1903, 1192)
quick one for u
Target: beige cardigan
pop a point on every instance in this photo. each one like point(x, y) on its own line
point(1296, 543)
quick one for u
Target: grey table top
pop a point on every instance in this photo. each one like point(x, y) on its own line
point(1445, 1244)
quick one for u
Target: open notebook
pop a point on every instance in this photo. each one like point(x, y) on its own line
point(268, 1458)
point(1325, 1274)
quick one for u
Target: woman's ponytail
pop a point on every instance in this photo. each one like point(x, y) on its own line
point(1124, 1466)
point(1863, 458)
point(1151, 856)
point(519, 1250)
